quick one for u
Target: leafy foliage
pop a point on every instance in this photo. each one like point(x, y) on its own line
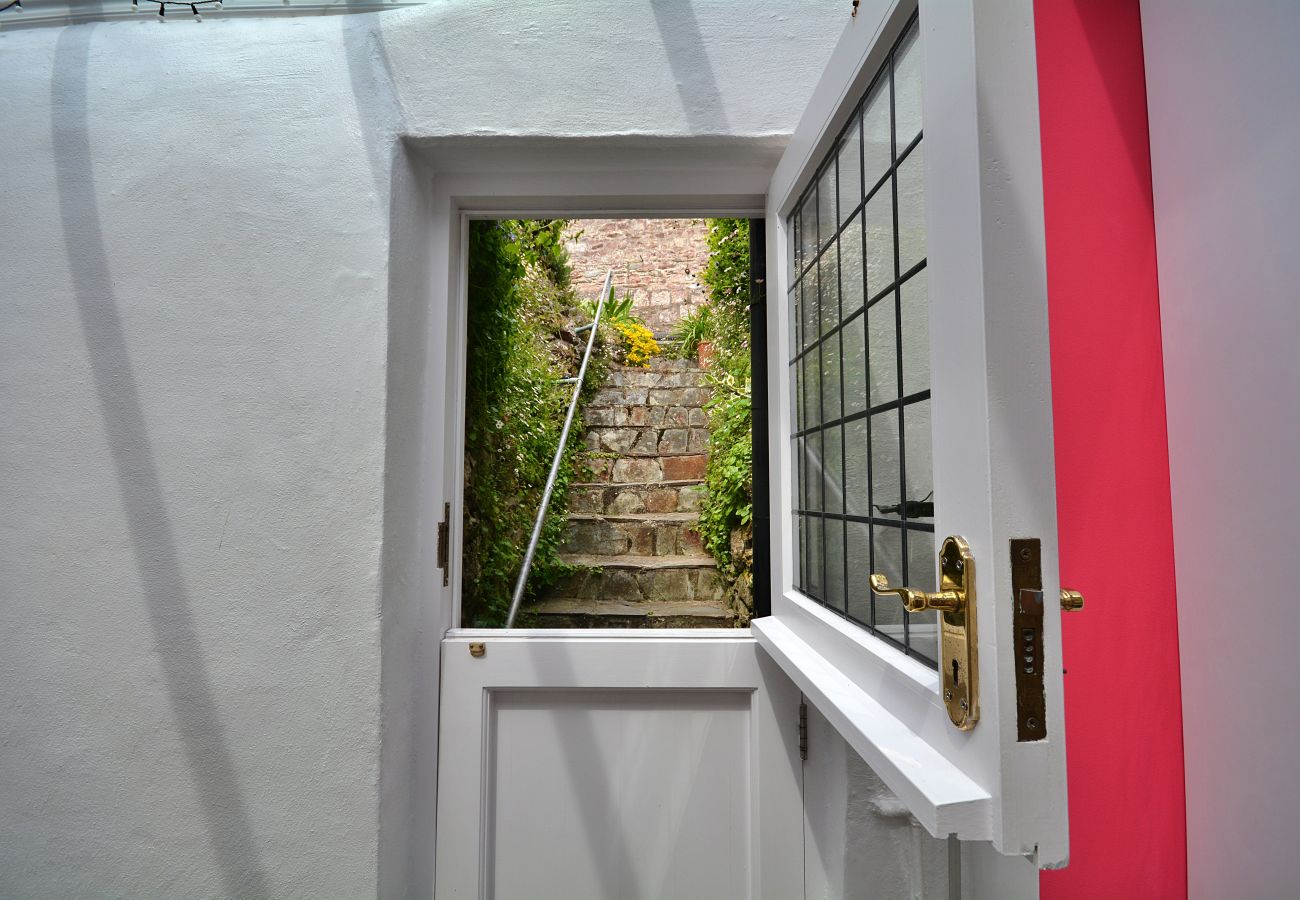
point(727, 277)
point(729, 481)
point(693, 330)
point(519, 305)
point(727, 511)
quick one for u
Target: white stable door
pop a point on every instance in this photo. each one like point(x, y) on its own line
point(910, 434)
point(617, 764)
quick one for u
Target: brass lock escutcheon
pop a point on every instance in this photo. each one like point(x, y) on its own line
point(955, 602)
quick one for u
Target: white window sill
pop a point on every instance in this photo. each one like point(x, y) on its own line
point(943, 798)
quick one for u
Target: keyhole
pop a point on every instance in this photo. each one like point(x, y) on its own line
point(954, 673)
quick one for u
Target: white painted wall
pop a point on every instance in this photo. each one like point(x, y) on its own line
point(217, 488)
point(1223, 85)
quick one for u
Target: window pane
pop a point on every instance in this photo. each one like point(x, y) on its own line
point(812, 390)
point(907, 88)
point(849, 171)
point(920, 464)
point(793, 307)
point(887, 543)
point(816, 564)
point(885, 487)
point(829, 276)
point(911, 209)
point(921, 574)
point(813, 475)
point(879, 240)
point(916, 335)
point(853, 352)
point(877, 154)
point(826, 220)
point(857, 590)
point(882, 351)
point(808, 292)
point(796, 399)
point(832, 465)
point(792, 249)
point(831, 390)
point(851, 287)
point(834, 537)
point(808, 229)
point(857, 496)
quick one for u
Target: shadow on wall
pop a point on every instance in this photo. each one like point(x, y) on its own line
point(175, 639)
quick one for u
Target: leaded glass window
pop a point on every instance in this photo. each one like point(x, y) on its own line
point(860, 366)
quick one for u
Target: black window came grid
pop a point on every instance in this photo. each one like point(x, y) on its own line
point(859, 368)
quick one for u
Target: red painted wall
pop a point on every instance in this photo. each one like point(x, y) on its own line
point(1122, 694)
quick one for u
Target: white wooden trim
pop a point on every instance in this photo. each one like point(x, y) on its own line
point(941, 796)
point(994, 473)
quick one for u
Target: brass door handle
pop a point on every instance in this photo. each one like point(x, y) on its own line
point(955, 603)
point(919, 601)
point(1071, 601)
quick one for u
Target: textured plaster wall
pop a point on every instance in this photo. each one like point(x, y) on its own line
point(221, 414)
point(1222, 89)
point(658, 262)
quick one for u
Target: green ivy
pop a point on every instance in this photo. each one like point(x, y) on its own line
point(519, 305)
point(728, 505)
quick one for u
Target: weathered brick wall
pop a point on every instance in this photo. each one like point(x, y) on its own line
point(658, 261)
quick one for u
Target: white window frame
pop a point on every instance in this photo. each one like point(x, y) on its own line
point(986, 261)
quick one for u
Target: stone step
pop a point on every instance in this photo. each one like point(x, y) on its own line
point(650, 396)
point(643, 534)
point(632, 376)
point(638, 497)
point(638, 578)
point(646, 416)
point(631, 441)
point(639, 469)
point(565, 612)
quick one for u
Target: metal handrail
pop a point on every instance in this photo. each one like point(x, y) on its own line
point(518, 595)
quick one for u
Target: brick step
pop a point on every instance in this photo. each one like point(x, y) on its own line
point(565, 612)
point(637, 497)
point(638, 469)
point(649, 396)
point(631, 376)
point(632, 441)
point(643, 534)
point(637, 578)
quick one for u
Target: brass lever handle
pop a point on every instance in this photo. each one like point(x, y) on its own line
point(1071, 601)
point(919, 601)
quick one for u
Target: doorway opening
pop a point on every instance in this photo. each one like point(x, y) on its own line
point(650, 521)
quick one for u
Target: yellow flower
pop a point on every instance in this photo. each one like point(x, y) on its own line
point(639, 343)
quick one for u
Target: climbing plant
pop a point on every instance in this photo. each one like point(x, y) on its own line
point(726, 513)
point(520, 345)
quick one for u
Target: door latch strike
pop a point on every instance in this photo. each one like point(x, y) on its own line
point(803, 730)
point(444, 543)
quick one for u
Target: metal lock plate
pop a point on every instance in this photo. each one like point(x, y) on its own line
point(1027, 638)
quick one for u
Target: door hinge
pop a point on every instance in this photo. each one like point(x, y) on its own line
point(444, 543)
point(803, 730)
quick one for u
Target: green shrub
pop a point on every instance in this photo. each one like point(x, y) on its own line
point(728, 504)
point(519, 304)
